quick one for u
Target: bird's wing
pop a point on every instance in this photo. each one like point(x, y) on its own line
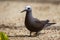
point(36, 20)
point(38, 23)
point(41, 24)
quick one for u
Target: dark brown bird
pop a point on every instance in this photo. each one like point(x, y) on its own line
point(33, 24)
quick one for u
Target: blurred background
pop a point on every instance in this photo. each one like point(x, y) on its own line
point(42, 9)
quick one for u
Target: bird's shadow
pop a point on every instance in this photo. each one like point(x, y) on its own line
point(26, 35)
point(19, 36)
point(22, 36)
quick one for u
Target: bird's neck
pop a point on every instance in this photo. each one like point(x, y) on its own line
point(29, 15)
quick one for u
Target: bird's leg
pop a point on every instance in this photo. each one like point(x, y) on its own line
point(30, 33)
point(36, 33)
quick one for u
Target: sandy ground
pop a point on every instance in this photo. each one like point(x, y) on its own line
point(13, 20)
point(21, 33)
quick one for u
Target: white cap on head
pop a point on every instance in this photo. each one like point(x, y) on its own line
point(26, 7)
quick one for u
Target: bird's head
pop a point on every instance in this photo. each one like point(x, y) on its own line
point(27, 9)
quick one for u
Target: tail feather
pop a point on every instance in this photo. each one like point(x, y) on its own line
point(49, 24)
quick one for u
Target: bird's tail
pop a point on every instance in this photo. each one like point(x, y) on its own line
point(49, 24)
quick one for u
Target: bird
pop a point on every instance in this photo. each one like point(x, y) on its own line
point(33, 24)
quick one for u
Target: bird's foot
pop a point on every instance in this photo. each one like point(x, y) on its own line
point(32, 35)
point(36, 34)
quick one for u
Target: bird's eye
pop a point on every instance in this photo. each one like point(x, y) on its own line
point(28, 8)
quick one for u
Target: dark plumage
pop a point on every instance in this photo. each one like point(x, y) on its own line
point(33, 24)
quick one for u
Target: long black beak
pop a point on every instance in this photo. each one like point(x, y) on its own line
point(23, 11)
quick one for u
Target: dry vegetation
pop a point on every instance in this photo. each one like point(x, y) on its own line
point(12, 21)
